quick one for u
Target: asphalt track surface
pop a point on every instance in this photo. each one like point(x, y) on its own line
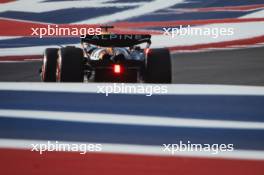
point(241, 67)
point(237, 67)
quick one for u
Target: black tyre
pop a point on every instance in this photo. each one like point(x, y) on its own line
point(48, 72)
point(158, 66)
point(70, 65)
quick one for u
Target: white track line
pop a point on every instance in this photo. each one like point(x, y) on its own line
point(141, 150)
point(172, 89)
point(122, 119)
point(241, 31)
point(23, 61)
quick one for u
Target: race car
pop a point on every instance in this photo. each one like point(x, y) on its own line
point(108, 58)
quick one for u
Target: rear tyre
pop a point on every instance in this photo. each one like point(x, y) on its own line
point(158, 66)
point(48, 72)
point(70, 66)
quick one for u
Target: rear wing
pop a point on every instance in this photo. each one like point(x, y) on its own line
point(116, 40)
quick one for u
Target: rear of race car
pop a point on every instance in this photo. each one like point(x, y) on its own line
point(108, 58)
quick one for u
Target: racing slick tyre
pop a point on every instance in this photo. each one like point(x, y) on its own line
point(48, 70)
point(70, 66)
point(158, 66)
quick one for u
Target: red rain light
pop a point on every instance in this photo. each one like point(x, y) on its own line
point(117, 69)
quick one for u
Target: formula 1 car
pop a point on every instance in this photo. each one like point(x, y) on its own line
point(108, 58)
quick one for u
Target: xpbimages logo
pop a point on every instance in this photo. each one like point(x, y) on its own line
point(213, 32)
point(55, 30)
point(122, 88)
point(57, 146)
point(195, 147)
